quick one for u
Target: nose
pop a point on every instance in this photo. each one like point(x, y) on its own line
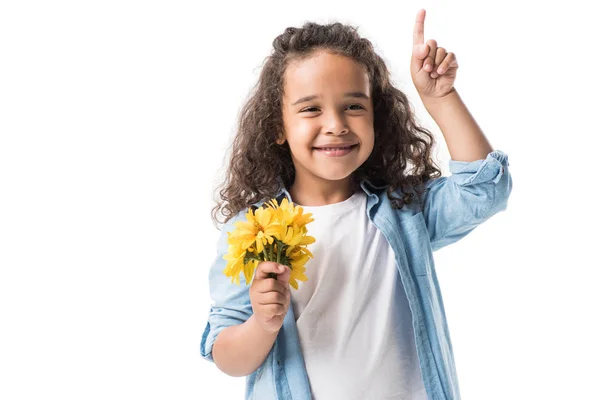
point(336, 124)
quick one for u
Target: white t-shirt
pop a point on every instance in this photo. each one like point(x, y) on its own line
point(354, 321)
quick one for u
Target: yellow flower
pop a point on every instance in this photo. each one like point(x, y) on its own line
point(258, 228)
point(235, 262)
point(289, 214)
point(273, 233)
point(299, 256)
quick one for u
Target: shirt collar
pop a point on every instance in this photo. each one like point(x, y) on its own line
point(367, 186)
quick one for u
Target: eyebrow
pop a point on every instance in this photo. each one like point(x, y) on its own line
point(356, 95)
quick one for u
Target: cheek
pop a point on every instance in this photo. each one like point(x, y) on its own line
point(368, 144)
point(302, 133)
point(305, 126)
point(367, 148)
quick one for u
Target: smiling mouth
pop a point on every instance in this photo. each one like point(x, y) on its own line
point(335, 148)
point(335, 152)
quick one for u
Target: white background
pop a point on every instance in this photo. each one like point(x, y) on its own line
point(115, 118)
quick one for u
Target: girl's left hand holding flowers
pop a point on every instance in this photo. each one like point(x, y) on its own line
point(433, 70)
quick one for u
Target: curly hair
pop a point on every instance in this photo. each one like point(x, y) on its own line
point(401, 156)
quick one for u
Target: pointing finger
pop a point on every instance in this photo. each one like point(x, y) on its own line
point(418, 33)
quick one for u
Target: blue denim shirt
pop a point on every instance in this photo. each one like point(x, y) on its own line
point(451, 208)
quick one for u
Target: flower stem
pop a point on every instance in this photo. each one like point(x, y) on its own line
point(270, 274)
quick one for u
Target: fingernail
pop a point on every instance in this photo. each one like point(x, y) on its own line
point(427, 67)
point(440, 70)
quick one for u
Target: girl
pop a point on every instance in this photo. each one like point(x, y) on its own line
point(327, 129)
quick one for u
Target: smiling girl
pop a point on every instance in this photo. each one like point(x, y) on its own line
point(326, 129)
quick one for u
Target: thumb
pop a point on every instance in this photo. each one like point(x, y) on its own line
point(420, 52)
point(284, 276)
point(266, 267)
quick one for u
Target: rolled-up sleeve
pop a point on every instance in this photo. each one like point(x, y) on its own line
point(231, 303)
point(454, 206)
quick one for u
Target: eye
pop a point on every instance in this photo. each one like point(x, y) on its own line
point(357, 105)
point(313, 109)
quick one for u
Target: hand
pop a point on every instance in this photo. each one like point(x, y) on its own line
point(270, 297)
point(433, 70)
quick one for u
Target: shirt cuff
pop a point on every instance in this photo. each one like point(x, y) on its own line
point(491, 169)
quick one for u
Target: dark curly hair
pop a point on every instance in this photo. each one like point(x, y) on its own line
point(401, 157)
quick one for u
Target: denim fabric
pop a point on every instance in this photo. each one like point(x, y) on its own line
point(450, 209)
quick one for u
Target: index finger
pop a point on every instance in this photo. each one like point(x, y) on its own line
point(418, 33)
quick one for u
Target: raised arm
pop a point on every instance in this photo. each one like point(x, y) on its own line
point(433, 72)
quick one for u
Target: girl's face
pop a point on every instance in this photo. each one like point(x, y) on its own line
point(327, 102)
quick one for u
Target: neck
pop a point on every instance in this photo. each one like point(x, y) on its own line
point(320, 194)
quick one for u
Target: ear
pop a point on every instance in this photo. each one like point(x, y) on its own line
point(280, 140)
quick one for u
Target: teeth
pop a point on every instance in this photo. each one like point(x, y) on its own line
point(335, 148)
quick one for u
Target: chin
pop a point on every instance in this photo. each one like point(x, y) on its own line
point(336, 177)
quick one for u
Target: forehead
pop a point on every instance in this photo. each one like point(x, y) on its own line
point(324, 73)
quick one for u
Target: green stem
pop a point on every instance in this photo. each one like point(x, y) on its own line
point(279, 248)
point(270, 274)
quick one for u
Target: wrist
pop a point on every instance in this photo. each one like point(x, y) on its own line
point(256, 326)
point(432, 102)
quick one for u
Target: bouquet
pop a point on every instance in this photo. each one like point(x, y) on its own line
point(277, 233)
